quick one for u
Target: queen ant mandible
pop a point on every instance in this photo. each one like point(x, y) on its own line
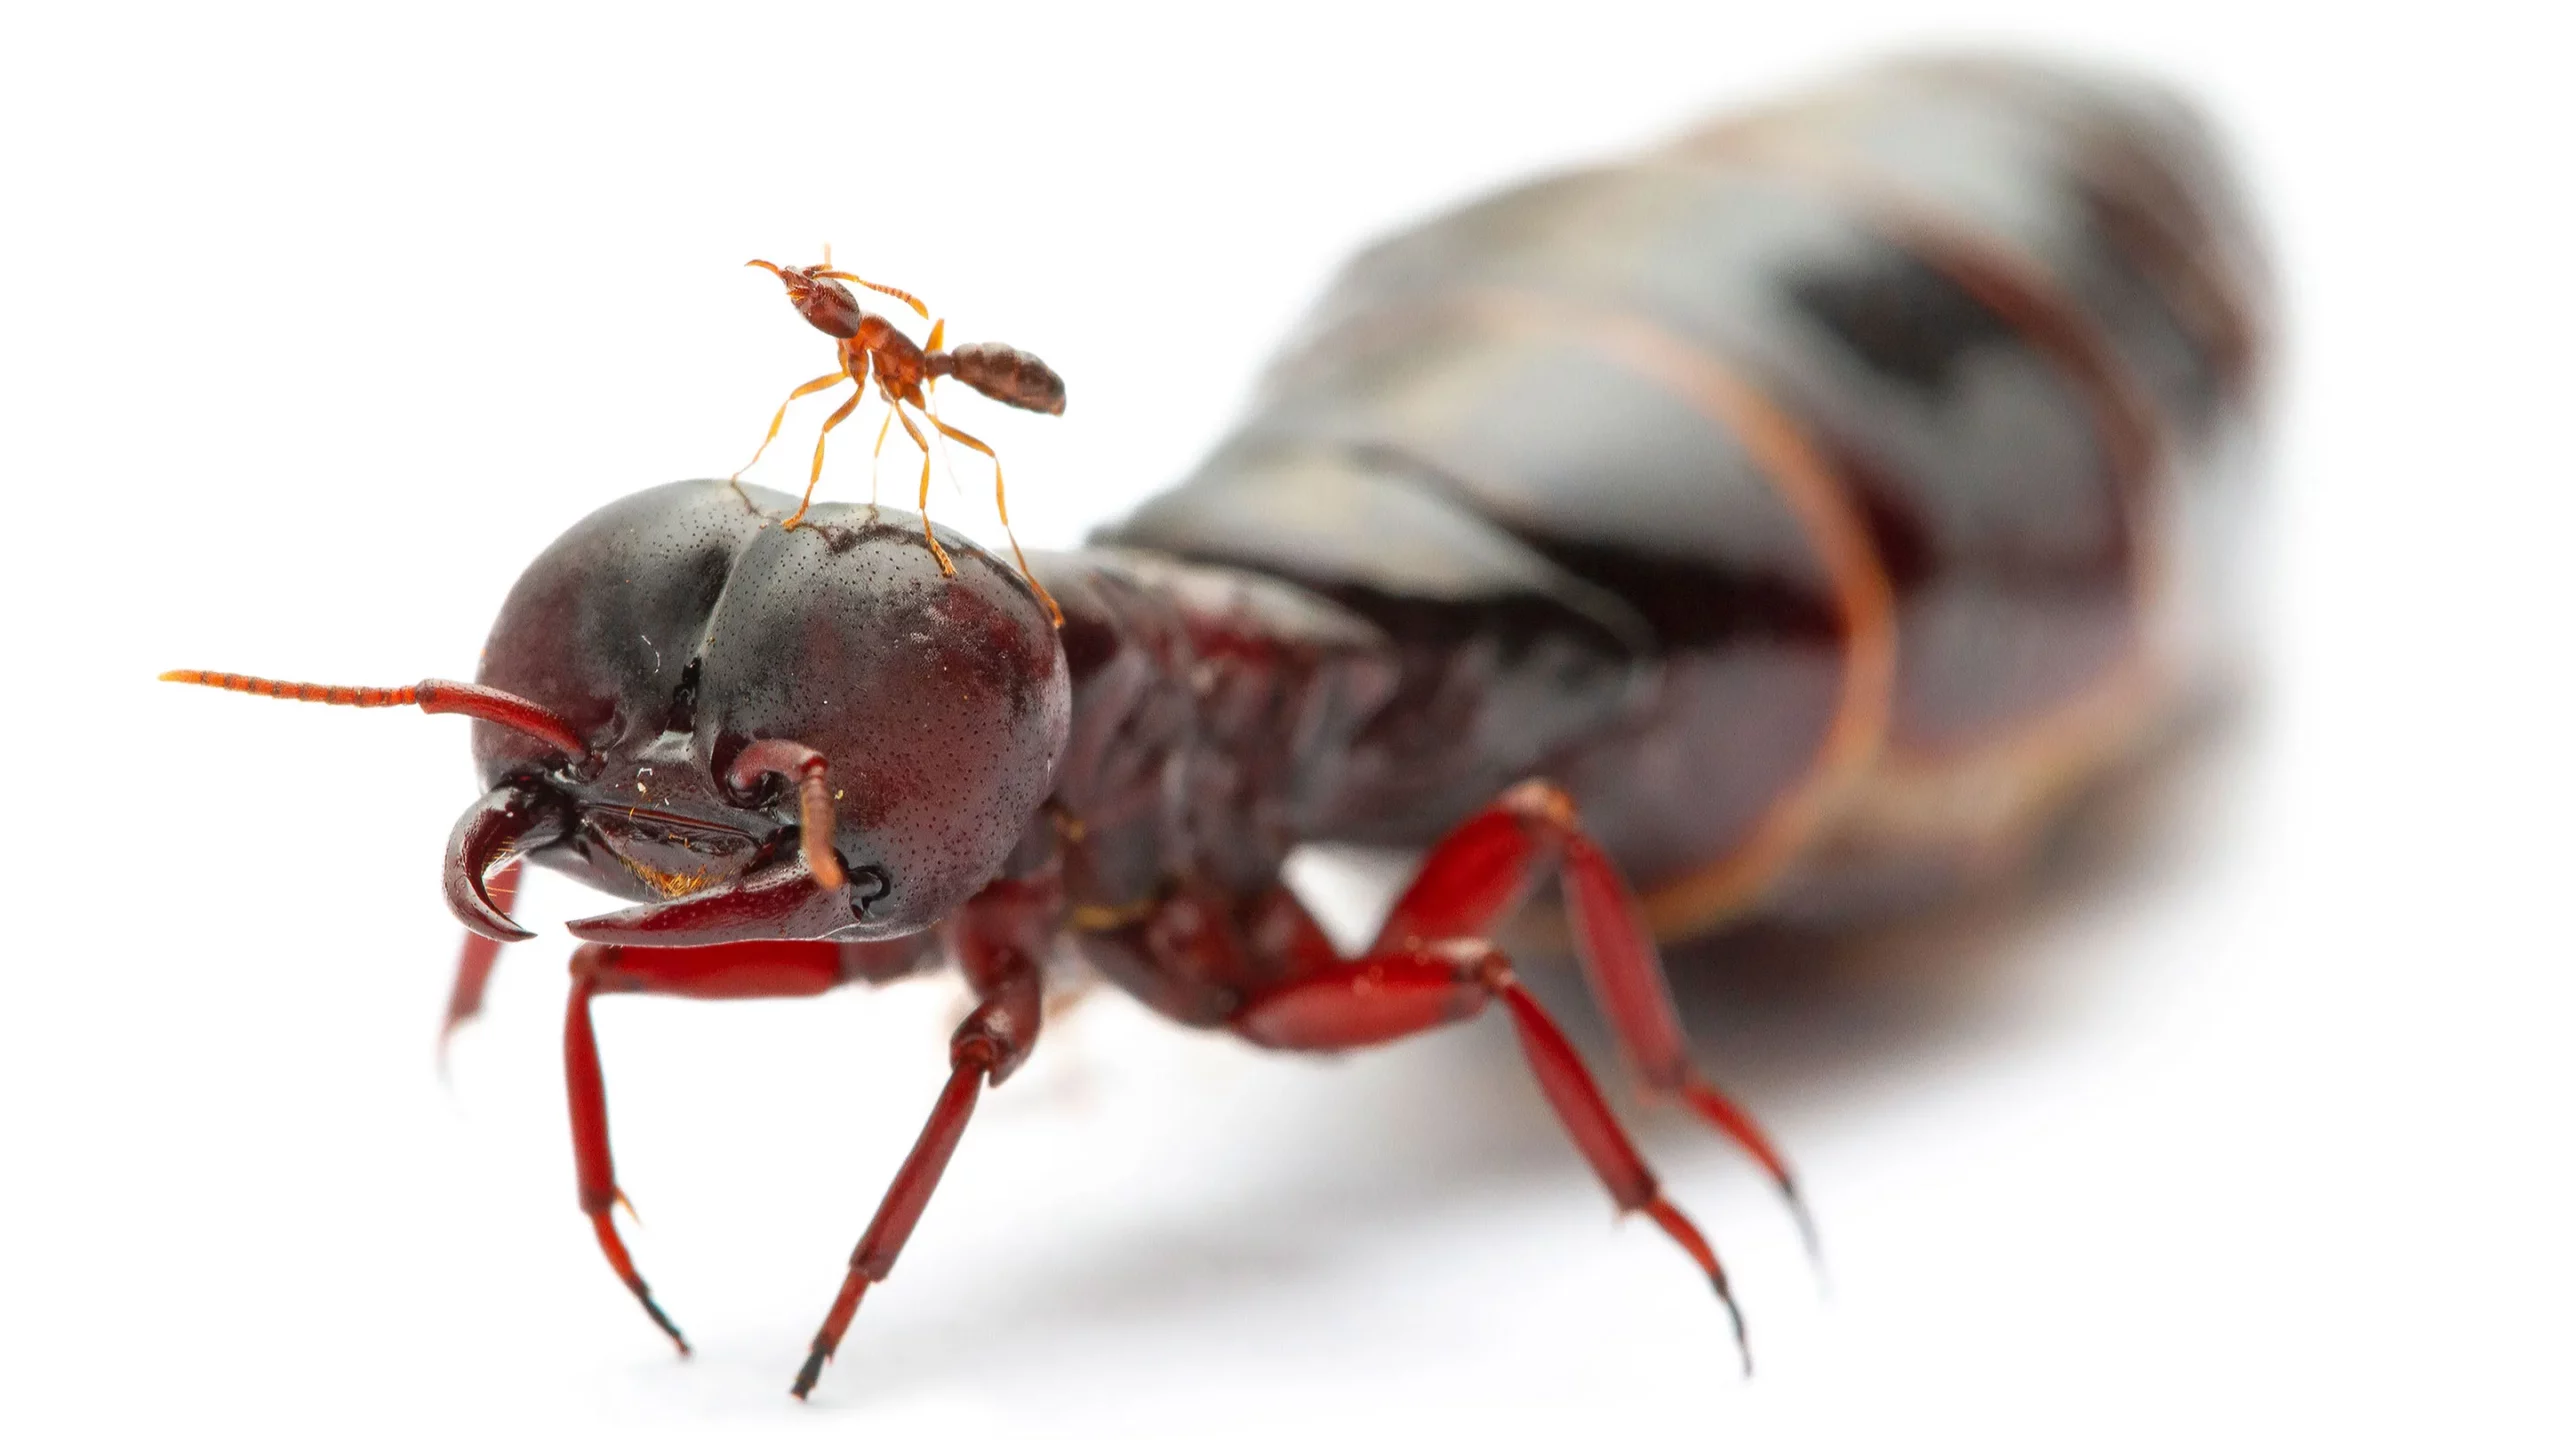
point(868, 347)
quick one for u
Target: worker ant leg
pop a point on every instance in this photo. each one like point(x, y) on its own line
point(479, 958)
point(877, 442)
point(818, 458)
point(924, 485)
point(845, 370)
point(745, 970)
point(932, 402)
point(973, 442)
point(999, 938)
point(1390, 994)
point(1481, 871)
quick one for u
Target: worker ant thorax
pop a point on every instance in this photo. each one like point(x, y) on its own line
point(865, 341)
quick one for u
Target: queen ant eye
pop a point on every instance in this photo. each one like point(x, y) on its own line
point(1690, 572)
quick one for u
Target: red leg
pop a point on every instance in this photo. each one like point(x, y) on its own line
point(479, 958)
point(1484, 868)
point(999, 939)
point(1391, 994)
point(745, 970)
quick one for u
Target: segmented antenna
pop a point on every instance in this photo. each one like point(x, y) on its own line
point(436, 697)
point(807, 770)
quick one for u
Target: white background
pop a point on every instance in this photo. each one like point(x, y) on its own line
point(319, 324)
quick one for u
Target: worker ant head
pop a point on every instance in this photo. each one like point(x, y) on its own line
point(821, 301)
point(818, 292)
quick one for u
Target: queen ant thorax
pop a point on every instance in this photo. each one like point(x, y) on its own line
point(868, 347)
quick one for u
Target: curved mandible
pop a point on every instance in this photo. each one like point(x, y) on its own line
point(781, 903)
point(516, 817)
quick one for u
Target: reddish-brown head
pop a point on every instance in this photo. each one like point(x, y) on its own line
point(821, 301)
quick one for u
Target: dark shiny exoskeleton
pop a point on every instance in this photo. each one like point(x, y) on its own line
point(1788, 519)
point(1805, 495)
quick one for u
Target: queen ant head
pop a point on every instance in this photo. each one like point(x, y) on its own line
point(757, 733)
point(708, 656)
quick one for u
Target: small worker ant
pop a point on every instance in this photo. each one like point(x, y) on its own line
point(868, 347)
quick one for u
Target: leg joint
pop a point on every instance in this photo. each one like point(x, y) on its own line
point(591, 962)
point(1542, 802)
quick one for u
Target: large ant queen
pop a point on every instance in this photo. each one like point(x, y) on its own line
point(1780, 525)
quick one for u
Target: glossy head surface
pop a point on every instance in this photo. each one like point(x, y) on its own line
point(824, 303)
point(676, 626)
